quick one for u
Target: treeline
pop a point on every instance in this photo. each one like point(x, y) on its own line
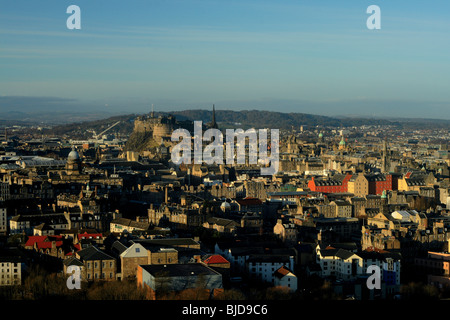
point(40, 284)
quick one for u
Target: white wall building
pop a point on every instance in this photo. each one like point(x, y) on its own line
point(263, 266)
point(11, 267)
point(342, 264)
point(283, 277)
point(346, 265)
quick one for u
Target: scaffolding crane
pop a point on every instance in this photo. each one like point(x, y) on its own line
point(96, 136)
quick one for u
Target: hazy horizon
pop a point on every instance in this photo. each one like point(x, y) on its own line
point(287, 56)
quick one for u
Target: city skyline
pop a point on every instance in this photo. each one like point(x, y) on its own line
point(287, 56)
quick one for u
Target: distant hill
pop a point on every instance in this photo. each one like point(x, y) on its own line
point(273, 119)
point(242, 119)
point(270, 119)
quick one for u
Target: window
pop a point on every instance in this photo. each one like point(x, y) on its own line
point(138, 250)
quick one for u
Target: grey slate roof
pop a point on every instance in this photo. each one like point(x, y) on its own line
point(340, 253)
point(72, 261)
point(93, 253)
point(118, 247)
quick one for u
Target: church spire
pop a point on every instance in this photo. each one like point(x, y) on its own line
point(213, 122)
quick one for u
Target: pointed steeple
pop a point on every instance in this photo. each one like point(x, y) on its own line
point(213, 122)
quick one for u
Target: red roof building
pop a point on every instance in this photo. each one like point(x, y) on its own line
point(215, 260)
point(86, 235)
point(330, 185)
point(42, 241)
point(32, 240)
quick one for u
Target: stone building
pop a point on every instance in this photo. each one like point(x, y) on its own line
point(358, 185)
point(177, 217)
point(12, 265)
point(120, 225)
point(162, 255)
point(287, 232)
point(131, 258)
point(97, 265)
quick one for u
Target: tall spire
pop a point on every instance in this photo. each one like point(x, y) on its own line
point(153, 111)
point(213, 122)
point(384, 157)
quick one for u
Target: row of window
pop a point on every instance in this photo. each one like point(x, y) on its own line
point(95, 264)
point(389, 267)
point(9, 264)
point(159, 260)
point(8, 282)
point(15, 270)
point(103, 276)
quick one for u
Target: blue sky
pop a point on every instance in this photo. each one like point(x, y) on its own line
point(291, 56)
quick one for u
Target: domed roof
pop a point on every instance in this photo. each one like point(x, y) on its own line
point(225, 205)
point(73, 155)
point(320, 135)
point(342, 142)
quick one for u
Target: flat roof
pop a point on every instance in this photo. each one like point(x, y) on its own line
point(179, 270)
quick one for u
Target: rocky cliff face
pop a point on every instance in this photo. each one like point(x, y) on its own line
point(140, 141)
